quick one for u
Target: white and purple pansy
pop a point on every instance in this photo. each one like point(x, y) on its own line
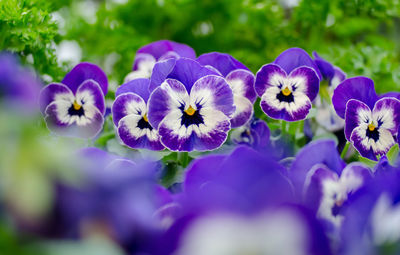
point(370, 124)
point(239, 78)
point(191, 108)
point(328, 191)
point(75, 107)
point(332, 76)
point(129, 112)
point(288, 86)
point(147, 56)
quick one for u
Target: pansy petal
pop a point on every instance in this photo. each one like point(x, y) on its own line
point(337, 78)
point(391, 94)
point(356, 113)
point(206, 136)
point(85, 71)
point(188, 71)
point(223, 62)
point(324, 67)
point(387, 113)
point(89, 92)
point(138, 86)
point(159, 48)
point(143, 61)
point(128, 104)
point(170, 95)
point(269, 75)
point(355, 175)
point(213, 91)
point(368, 147)
point(243, 113)
point(242, 83)
point(89, 130)
point(168, 55)
point(294, 111)
point(322, 151)
point(313, 189)
point(160, 72)
point(135, 137)
point(52, 92)
point(306, 80)
point(360, 88)
point(292, 58)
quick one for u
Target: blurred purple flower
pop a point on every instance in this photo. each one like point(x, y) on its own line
point(371, 220)
point(241, 81)
point(255, 134)
point(115, 197)
point(316, 153)
point(130, 116)
point(75, 107)
point(190, 106)
point(333, 74)
point(326, 115)
point(238, 203)
point(326, 191)
point(19, 87)
point(288, 86)
point(147, 56)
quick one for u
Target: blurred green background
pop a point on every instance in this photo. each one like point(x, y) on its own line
point(361, 37)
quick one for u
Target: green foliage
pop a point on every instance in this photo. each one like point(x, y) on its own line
point(27, 29)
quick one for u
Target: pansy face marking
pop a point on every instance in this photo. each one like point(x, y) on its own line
point(371, 132)
point(285, 96)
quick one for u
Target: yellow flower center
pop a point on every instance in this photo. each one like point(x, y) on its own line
point(190, 111)
point(145, 118)
point(76, 105)
point(286, 91)
point(371, 127)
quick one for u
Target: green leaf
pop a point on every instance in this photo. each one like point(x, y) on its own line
point(393, 154)
point(370, 163)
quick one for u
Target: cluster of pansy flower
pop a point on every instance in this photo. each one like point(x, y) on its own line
point(254, 195)
point(176, 101)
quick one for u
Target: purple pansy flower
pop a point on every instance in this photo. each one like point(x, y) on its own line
point(327, 191)
point(115, 196)
point(255, 134)
point(241, 81)
point(371, 220)
point(326, 115)
point(19, 87)
point(147, 56)
point(130, 115)
point(238, 204)
point(191, 106)
point(288, 85)
point(370, 123)
point(75, 107)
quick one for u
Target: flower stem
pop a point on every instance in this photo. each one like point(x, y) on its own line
point(184, 158)
point(345, 149)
